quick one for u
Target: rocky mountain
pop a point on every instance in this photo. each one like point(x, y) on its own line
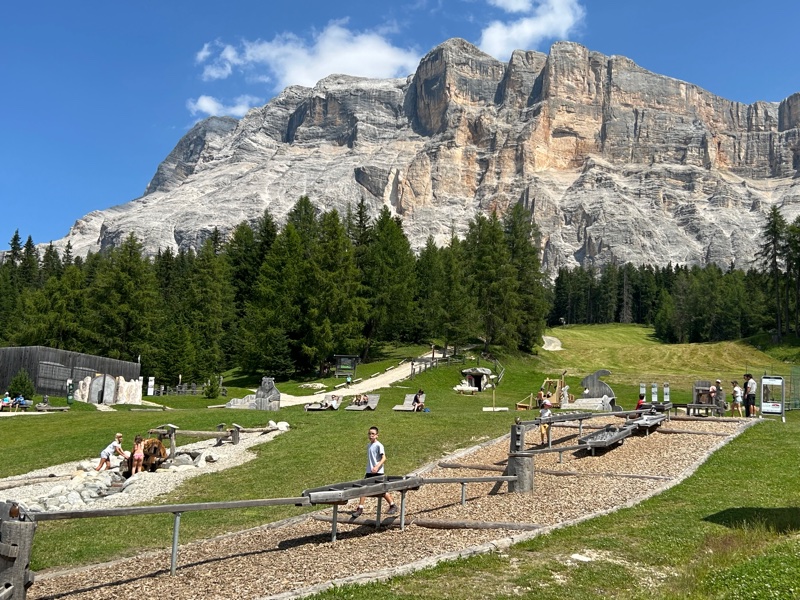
point(614, 162)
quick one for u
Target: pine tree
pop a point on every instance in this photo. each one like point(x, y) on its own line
point(460, 318)
point(270, 329)
point(241, 252)
point(265, 233)
point(51, 316)
point(123, 308)
point(67, 259)
point(430, 292)
point(771, 255)
point(494, 280)
point(29, 265)
point(210, 309)
point(389, 280)
point(523, 246)
point(336, 308)
point(52, 266)
point(14, 256)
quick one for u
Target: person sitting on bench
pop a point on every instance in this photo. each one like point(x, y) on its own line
point(419, 401)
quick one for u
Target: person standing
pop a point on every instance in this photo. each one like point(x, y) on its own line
point(737, 398)
point(376, 459)
point(750, 387)
point(720, 398)
point(544, 413)
point(138, 455)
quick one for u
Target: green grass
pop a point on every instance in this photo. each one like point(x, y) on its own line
point(634, 355)
point(729, 531)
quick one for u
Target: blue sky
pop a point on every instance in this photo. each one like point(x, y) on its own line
point(96, 94)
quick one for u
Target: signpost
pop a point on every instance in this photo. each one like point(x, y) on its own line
point(494, 408)
point(773, 396)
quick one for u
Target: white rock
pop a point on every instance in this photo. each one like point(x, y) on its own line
point(74, 498)
point(580, 558)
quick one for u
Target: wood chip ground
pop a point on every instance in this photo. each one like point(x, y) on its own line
point(298, 558)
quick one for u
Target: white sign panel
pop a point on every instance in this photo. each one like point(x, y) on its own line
point(772, 392)
point(151, 382)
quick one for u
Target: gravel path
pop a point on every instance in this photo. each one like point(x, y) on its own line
point(296, 558)
point(149, 485)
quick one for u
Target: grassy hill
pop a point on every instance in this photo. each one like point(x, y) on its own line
point(729, 531)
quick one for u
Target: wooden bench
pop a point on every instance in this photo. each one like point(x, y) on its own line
point(328, 403)
point(47, 408)
point(408, 403)
point(372, 403)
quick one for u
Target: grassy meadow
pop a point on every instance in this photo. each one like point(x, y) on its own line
point(729, 531)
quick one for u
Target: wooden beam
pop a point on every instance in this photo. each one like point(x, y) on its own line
point(446, 465)
point(432, 523)
point(442, 524)
point(689, 431)
point(469, 479)
point(6, 485)
point(166, 508)
point(623, 475)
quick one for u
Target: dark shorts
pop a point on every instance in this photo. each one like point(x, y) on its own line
point(368, 475)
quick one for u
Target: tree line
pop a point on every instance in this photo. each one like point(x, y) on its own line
point(683, 304)
point(279, 300)
point(284, 301)
point(694, 304)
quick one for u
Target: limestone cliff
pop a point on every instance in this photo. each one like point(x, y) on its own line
point(613, 161)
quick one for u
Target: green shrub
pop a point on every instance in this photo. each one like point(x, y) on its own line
point(21, 385)
point(211, 389)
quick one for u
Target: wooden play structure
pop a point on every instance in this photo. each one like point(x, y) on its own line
point(554, 390)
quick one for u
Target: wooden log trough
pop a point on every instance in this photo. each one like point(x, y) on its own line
point(169, 431)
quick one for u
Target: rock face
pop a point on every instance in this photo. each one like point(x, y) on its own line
point(614, 163)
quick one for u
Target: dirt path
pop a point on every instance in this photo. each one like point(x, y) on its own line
point(383, 380)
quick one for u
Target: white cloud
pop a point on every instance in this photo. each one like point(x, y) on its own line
point(288, 59)
point(512, 5)
point(203, 54)
point(210, 106)
point(548, 19)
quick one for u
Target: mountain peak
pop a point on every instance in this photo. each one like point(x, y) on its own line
point(614, 163)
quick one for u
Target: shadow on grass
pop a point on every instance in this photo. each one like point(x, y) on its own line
point(779, 520)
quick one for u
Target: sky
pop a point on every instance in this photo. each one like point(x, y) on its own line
point(95, 94)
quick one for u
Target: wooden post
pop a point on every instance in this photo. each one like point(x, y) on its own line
point(16, 541)
point(517, 442)
point(173, 563)
point(521, 465)
point(172, 445)
point(234, 435)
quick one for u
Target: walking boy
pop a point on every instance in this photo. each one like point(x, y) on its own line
point(750, 388)
point(376, 458)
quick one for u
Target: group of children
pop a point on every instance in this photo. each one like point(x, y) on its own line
point(9, 402)
point(360, 400)
point(115, 447)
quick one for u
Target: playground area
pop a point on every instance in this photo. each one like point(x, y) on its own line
point(297, 555)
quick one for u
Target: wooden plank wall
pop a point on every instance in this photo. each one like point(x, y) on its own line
point(14, 359)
